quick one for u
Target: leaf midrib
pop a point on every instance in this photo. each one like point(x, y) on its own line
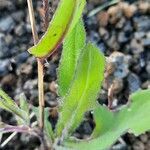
point(81, 97)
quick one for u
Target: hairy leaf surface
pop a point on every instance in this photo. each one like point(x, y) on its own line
point(72, 49)
point(84, 89)
point(25, 106)
point(8, 104)
point(133, 118)
point(67, 15)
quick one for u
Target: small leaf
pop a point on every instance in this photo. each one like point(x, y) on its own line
point(7, 98)
point(25, 106)
point(134, 118)
point(47, 125)
point(8, 104)
point(83, 91)
point(72, 49)
point(67, 15)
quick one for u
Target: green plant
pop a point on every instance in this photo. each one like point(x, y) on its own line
point(80, 75)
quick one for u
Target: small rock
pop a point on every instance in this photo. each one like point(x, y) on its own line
point(134, 82)
point(7, 24)
point(91, 23)
point(103, 96)
point(25, 69)
point(144, 7)
point(142, 23)
point(112, 43)
point(102, 46)
point(129, 10)
point(9, 39)
point(138, 145)
point(104, 33)
point(136, 46)
point(51, 72)
point(144, 138)
point(94, 37)
point(18, 16)
point(4, 67)
point(120, 23)
point(148, 67)
point(53, 87)
point(103, 18)
point(9, 80)
point(121, 145)
point(3, 46)
point(21, 58)
point(146, 42)
point(117, 85)
point(114, 14)
point(5, 4)
point(30, 85)
point(33, 96)
point(50, 99)
point(20, 29)
point(122, 39)
point(121, 62)
point(87, 128)
point(128, 28)
point(146, 85)
point(110, 68)
point(139, 35)
point(147, 146)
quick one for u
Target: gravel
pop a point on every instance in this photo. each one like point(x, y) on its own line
point(121, 31)
point(7, 24)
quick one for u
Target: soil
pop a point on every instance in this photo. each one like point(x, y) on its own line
point(121, 31)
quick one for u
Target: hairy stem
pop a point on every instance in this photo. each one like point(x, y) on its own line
point(40, 66)
point(41, 91)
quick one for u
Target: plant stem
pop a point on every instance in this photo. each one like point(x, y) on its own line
point(40, 67)
point(41, 91)
point(32, 21)
point(45, 14)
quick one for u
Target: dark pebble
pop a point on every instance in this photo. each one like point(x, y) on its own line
point(142, 23)
point(50, 99)
point(5, 66)
point(146, 42)
point(3, 47)
point(51, 72)
point(7, 24)
point(21, 58)
point(134, 82)
point(122, 39)
point(18, 16)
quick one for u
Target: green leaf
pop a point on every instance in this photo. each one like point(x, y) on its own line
point(47, 125)
point(8, 104)
point(102, 124)
point(136, 117)
point(7, 98)
point(67, 15)
point(133, 118)
point(84, 89)
point(25, 106)
point(72, 49)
